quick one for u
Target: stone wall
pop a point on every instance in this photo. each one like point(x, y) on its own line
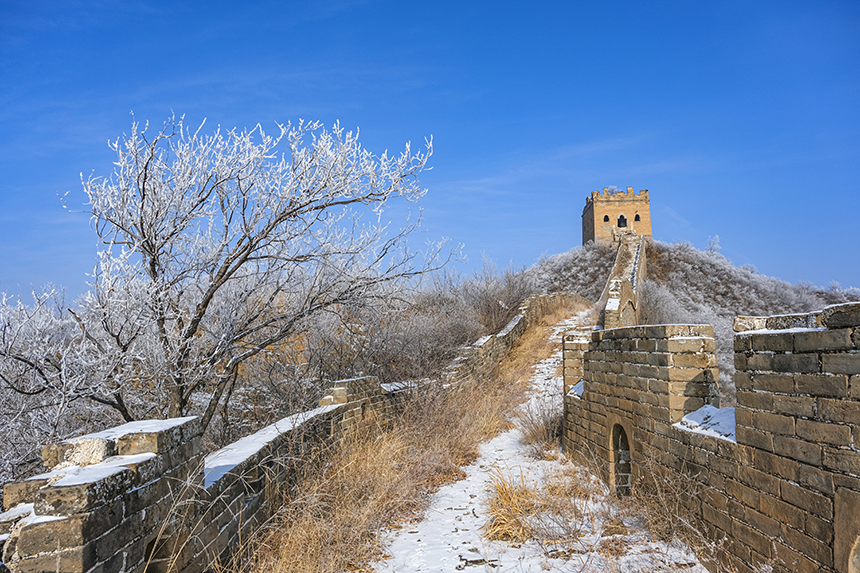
point(142, 497)
point(782, 483)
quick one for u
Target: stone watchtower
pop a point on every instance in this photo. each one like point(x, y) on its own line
point(607, 215)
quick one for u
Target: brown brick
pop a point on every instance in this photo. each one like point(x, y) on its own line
point(775, 342)
point(756, 400)
point(754, 438)
point(821, 385)
point(803, 498)
point(816, 479)
point(758, 480)
point(753, 538)
point(794, 561)
point(760, 361)
point(847, 411)
point(815, 340)
point(854, 387)
point(847, 461)
point(794, 405)
point(795, 363)
point(841, 363)
point(835, 434)
point(773, 423)
point(819, 529)
point(797, 449)
point(763, 523)
point(782, 511)
point(774, 383)
point(742, 493)
point(842, 315)
point(817, 551)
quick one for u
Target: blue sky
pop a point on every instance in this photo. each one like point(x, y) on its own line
point(741, 118)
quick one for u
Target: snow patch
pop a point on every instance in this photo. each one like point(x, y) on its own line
point(78, 475)
point(222, 461)
point(142, 427)
point(710, 421)
point(577, 389)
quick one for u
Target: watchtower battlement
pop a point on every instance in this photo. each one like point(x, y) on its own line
point(607, 214)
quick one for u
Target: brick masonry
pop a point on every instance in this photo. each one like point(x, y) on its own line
point(788, 489)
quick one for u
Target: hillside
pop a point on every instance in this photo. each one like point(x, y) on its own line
point(687, 285)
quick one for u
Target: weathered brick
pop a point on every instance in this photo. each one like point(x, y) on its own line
point(821, 385)
point(841, 315)
point(775, 342)
point(816, 479)
point(783, 383)
point(835, 434)
point(795, 363)
point(773, 423)
point(797, 449)
point(781, 511)
point(811, 548)
point(803, 498)
point(815, 340)
point(793, 405)
point(847, 411)
point(843, 363)
point(842, 460)
point(756, 400)
point(754, 438)
point(760, 361)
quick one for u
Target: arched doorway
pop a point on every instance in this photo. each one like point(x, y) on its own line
point(621, 470)
point(622, 221)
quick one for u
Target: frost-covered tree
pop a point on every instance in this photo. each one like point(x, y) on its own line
point(216, 247)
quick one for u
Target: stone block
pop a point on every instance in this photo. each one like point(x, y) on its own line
point(18, 492)
point(74, 531)
point(842, 363)
point(834, 434)
point(760, 361)
point(773, 423)
point(811, 548)
point(795, 363)
point(831, 410)
point(807, 500)
point(816, 340)
point(783, 383)
point(756, 400)
point(754, 438)
point(782, 511)
point(80, 498)
point(74, 560)
point(793, 405)
point(773, 342)
point(841, 315)
point(847, 461)
point(816, 479)
point(799, 450)
point(779, 466)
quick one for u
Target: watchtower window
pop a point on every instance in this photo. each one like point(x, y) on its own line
point(621, 469)
point(606, 218)
point(622, 221)
point(636, 218)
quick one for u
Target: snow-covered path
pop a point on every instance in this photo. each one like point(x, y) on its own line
point(449, 537)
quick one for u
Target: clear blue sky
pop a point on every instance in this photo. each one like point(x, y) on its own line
point(741, 118)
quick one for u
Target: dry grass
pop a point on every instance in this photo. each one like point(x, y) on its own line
point(331, 521)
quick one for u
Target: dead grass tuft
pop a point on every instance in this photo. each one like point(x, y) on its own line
point(330, 521)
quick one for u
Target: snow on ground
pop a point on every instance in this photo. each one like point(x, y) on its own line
point(449, 537)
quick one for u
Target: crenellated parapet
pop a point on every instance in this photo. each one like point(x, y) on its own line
point(778, 476)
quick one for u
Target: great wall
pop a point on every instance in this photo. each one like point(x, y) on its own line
point(776, 481)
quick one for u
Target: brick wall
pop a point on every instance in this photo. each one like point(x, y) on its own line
point(142, 496)
point(787, 489)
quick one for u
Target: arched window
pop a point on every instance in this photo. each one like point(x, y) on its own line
point(622, 221)
point(606, 218)
point(636, 218)
point(621, 461)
